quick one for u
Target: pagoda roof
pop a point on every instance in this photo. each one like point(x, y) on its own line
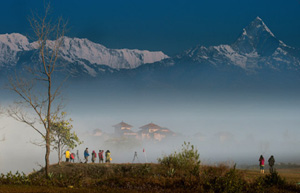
point(122, 124)
point(150, 126)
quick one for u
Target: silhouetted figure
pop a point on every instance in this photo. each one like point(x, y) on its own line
point(86, 155)
point(262, 164)
point(271, 164)
point(135, 157)
point(77, 155)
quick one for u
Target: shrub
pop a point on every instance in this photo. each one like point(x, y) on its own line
point(232, 181)
point(17, 178)
point(186, 161)
point(274, 179)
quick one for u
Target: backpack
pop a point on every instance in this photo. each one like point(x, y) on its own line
point(72, 155)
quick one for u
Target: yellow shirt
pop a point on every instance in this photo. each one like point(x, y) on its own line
point(68, 154)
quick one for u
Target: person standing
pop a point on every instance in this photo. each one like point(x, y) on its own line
point(100, 155)
point(67, 155)
point(262, 164)
point(107, 156)
point(72, 157)
point(94, 155)
point(271, 164)
point(86, 155)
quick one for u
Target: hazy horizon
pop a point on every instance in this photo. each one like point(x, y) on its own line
point(225, 127)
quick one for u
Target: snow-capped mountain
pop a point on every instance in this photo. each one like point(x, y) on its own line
point(11, 45)
point(256, 48)
point(75, 52)
point(75, 49)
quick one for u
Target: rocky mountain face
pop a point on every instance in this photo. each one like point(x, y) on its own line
point(79, 55)
point(256, 48)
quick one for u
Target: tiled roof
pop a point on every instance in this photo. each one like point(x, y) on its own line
point(150, 126)
point(122, 124)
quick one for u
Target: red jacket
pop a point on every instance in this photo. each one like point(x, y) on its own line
point(261, 162)
point(100, 155)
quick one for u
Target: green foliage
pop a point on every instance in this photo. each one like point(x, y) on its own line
point(17, 178)
point(232, 181)
point(186, 161)
point(61, 135)
point(274, 179)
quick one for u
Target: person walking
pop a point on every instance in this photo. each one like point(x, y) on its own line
point(262, 164)
point(86, 155)
point(67, 155)
point(94, 155)
point(107, 156)
point(100, 155)
point(271, 164)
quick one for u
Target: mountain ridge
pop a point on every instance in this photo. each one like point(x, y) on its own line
point(81, 51)
point(256, 49)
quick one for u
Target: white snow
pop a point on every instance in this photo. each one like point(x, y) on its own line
point(79, 50)
point(75, 49)
point(15, 41)
point(10, 45)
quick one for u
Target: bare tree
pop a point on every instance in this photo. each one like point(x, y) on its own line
point(39, 91)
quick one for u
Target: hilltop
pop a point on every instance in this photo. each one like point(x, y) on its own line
point(79, 177)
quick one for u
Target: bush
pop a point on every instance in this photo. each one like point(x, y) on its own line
point(232, 181)
point(274, 179)
point(186, 161)
point(222, 179)
point(17, 178)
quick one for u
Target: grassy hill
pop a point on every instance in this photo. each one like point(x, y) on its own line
point(80, 177)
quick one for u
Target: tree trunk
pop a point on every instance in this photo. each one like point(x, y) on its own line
point(48, 129)
point(59, 153)
point(47, 155)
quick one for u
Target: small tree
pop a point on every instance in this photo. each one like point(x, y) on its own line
point(62, 137)
point(187, 160)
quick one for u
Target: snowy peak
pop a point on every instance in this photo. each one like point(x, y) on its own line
point(78, 50)
point(256, 48)
point(10, 46)
point(89, 55)
point(258, 23)
point(14, 41)
point(256, 37)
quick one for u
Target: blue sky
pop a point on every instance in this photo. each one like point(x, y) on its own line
point(170, 25)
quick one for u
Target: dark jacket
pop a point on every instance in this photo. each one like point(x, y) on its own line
point(271, 161)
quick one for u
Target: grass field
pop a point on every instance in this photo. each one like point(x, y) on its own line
point(148, 178)
point(292, 175)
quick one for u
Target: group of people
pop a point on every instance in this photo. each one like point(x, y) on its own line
point(100, 156)
point(70, 157)
point(271, 161)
